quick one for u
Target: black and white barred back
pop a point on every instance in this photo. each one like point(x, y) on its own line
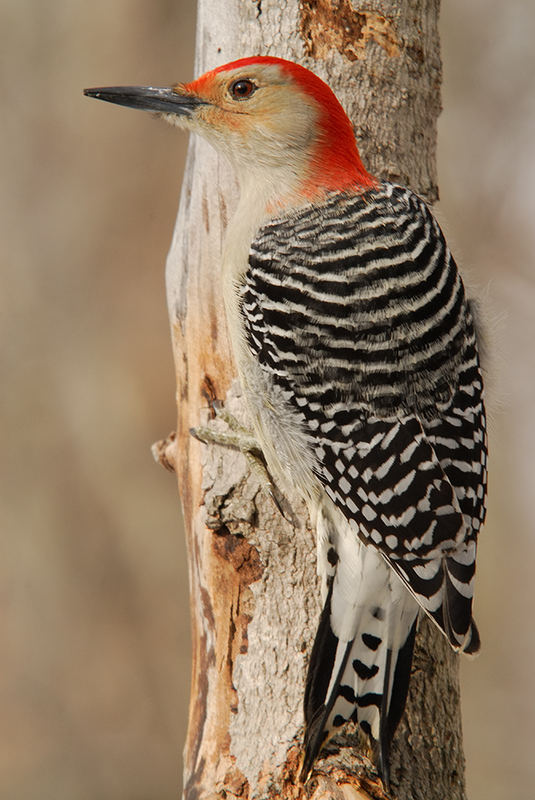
point(355, 309)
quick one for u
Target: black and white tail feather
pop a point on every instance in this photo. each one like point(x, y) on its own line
point(362, 654)
point(356, 316)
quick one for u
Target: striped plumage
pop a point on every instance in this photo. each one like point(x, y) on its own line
point(356, 314)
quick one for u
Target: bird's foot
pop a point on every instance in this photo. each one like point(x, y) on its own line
point(237, 436)
point(240, 438)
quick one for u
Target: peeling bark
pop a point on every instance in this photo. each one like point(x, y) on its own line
point(326, 26)
point(254, 593)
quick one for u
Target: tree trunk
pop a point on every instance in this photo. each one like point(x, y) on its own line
point(254, 592)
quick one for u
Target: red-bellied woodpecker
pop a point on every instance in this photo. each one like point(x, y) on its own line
point(357, 353)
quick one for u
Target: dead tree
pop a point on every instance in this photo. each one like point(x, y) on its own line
point(254, 594)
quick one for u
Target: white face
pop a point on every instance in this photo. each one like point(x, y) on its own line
point(256, 115)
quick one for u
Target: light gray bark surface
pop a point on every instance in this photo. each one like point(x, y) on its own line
point(254, 594)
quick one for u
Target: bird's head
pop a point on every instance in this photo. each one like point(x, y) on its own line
point(276, 121)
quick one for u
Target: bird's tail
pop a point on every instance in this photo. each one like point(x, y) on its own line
point(361, 659)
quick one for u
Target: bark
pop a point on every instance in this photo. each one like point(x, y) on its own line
point(254, 594)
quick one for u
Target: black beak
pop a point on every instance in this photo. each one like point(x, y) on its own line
point(148, 98)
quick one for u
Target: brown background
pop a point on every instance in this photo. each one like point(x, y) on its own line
point(94, 663)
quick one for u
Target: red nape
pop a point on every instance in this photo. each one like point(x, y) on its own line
point(336, 165)
point(335, 161)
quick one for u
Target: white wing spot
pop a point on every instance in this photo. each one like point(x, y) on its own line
point(390, 436)
point(391, 541)
point(351, 505)
point(405, 482)
point(344, 484)
point(383, 470)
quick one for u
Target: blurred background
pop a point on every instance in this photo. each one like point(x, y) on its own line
point(94, 639)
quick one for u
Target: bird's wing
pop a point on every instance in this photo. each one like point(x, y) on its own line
point(356, 311)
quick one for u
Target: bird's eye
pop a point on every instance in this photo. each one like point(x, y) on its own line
point(242, 89)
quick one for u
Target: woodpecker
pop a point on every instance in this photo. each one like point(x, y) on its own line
point(356, 349)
